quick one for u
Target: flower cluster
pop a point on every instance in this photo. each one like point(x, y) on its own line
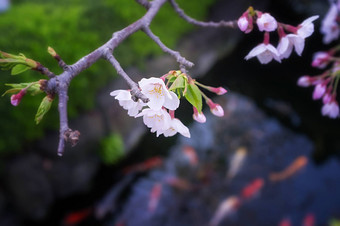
point(290, 37)
point(159, 112)
point(325, 84)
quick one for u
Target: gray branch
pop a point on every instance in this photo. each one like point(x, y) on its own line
point(181, 13)
point(181, 60)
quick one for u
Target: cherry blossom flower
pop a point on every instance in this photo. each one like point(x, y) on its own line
point(125, 100)
point(330, 109)
point(157, 120)
point(159, 96)
point(199, 117)
point(306, 28)
point(329, 26)
point(176, 126)
point(16, 98)
point(264, 53)
point(286, 44)
point(266, 22)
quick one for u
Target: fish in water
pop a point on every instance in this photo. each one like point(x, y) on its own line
point(226, 208)
point(292, 169)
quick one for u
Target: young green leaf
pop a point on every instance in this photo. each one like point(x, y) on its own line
point(178, 83)
point(43, 109)
point(194, 96)
point(19, 68)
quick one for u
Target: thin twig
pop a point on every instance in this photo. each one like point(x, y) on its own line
point(181, 60)
point(181, 13)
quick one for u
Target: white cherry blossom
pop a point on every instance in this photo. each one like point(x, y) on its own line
point(306, 28)
point(330, 109)
point(125, 100)
point(159, 96)
point(176, 126)
point(264, 53)
point(157, 120)
point(288, 42)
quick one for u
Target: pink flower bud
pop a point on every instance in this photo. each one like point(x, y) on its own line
point(216, 109)
point(330, 109)
point(304, 81)
point(327, 98)
point(199, 117)
point(320, 59)
point(319, 91)
point(266, 22)
point(245, 22)
point(16, 98)
point(218, 90)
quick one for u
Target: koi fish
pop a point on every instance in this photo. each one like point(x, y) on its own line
point(77, 217)
point(226, 208)
point(292, 169)
point(309, 220)
point(155, 196)
point(178, 183)
point(144, 166)
point(236, 162)
point(285, 222)
point(252, 189)
point(190, 153)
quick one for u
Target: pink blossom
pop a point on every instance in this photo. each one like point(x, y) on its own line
point(327, 98)
point(304, 81)
point(329, 26)
point(245, 23)
point(321, 59)
point(16, 98)
point(266, 22)
point(330, 109)
point(264, 53)
point(216, 109)
point(319, 91)
point(199, 117)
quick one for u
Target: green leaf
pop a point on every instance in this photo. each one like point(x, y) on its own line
point(194, 96)
point(19, 68)
point(43, 109)
point(178, 83)
point(32, 89)
point(112, 149)
point(10, 91)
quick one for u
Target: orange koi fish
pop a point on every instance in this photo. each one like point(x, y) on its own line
point(143, 166)
point(77, 217)
point(155, 195)
point(178, 183)
point(190, 153)
point(309, 220)
point(236, 162)
point(226, 208)
point(292, 169)
point(252, 189)
point(285, 222)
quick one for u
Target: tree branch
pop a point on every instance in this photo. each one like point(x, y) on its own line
point(181, 13)
point(181, 60)
point(145, 3)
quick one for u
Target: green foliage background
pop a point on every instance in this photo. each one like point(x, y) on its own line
point(75, 28)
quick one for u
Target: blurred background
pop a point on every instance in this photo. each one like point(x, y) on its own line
point(271, 152)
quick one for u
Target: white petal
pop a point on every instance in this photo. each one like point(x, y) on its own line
point(256, 51)
point(173, 103)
